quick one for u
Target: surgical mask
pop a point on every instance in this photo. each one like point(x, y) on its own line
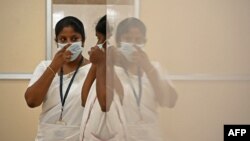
point(60, 46)
point(75, 49)
point(101, 45)
point(140, 45)
point(127, 49)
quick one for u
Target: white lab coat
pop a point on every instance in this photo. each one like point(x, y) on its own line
point(48, 130)
point(102, 126)
point(141, 123)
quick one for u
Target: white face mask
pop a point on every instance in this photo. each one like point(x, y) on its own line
point(140, 45)
point(75, 49)
point(60, 46)
point(127, 49)
point(101, 45)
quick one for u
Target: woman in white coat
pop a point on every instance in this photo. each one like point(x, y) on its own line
point(141, 78)
point(57, 85)
point(103, 118)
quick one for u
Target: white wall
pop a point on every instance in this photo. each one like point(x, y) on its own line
point(209, 37)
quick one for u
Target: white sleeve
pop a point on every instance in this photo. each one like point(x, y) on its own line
point(169, 96)
point(40, 69)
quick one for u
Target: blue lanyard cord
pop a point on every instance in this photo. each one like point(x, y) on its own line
point(138, 98)
point(63, 98)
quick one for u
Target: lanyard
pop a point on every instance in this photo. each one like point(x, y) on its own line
point(63, 98)
point(137, 97)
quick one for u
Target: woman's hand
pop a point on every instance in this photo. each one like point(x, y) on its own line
point(140, 57)
point(115, 57)
point(61, 57)
point(97, 56)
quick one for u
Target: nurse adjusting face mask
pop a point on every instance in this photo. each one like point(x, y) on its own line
point(127, 49)
point(75, 49)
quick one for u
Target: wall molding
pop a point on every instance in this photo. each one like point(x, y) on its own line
point(179, 77)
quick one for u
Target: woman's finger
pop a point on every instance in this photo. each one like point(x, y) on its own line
point(64, 48)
